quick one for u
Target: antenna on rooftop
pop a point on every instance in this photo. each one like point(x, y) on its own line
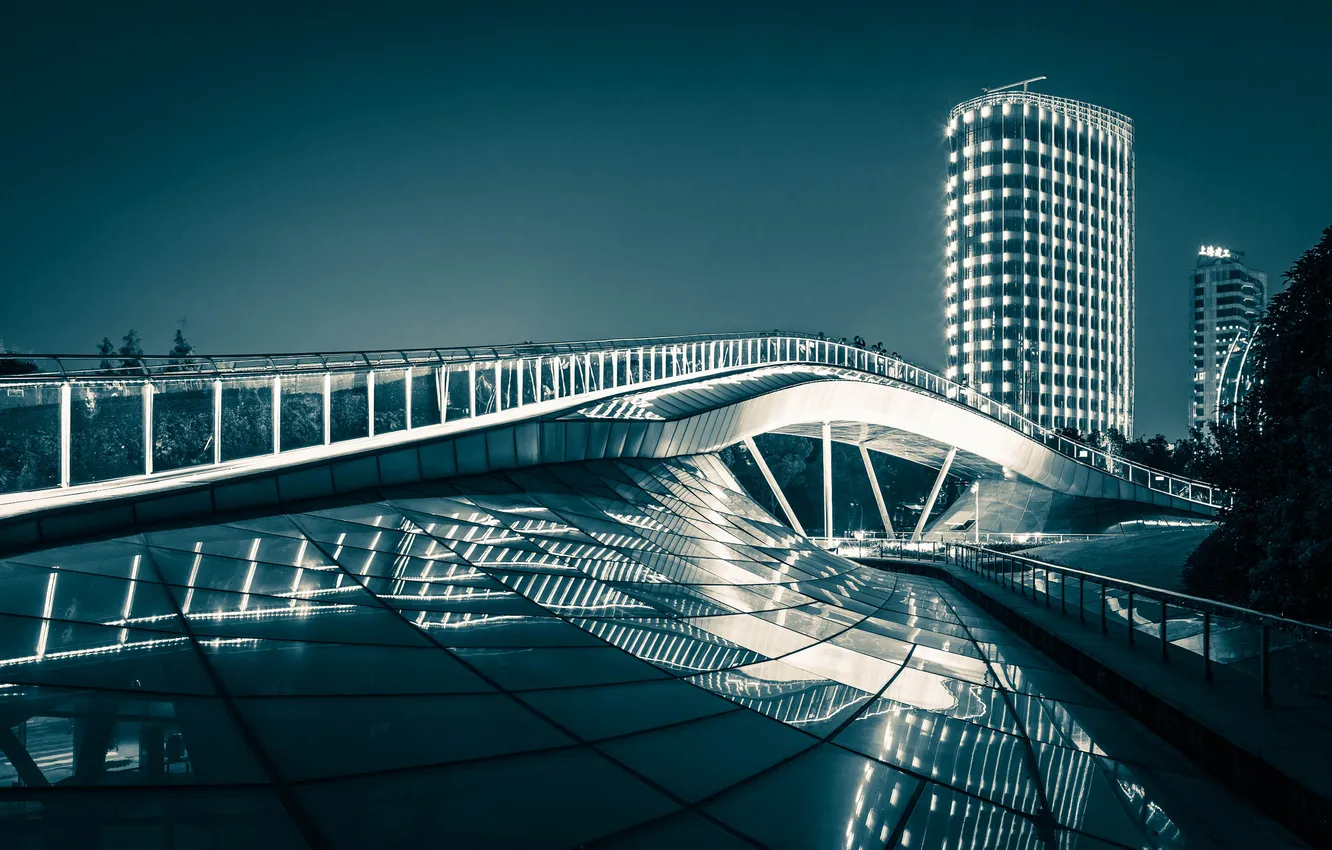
point(1022, 83)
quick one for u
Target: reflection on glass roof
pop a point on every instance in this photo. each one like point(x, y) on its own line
point(624, 654)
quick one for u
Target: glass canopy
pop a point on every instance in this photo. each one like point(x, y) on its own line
point(624, 654)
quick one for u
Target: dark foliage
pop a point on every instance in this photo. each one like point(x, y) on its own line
point(1196, 456)
point(1273, 547)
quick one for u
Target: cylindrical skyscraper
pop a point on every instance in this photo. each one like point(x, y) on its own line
point(1038, 281)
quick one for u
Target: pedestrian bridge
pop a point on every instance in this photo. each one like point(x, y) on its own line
point(89, 444)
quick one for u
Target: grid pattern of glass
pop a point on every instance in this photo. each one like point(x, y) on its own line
point(619, 653)
point(1228, 298)
point(1039, 266)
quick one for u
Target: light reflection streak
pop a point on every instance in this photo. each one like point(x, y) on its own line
point(194, 574)
point(810, 684)
point(249, 575)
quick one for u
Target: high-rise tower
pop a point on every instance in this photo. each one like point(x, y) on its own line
point(1038, 287)
point(1228, 299)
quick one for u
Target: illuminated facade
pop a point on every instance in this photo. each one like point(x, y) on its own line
point(1039, 279)
point(1228, 299)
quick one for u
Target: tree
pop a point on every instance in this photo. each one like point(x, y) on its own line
point(181, 347)
point(130, 348)
point(1273, 546)
point(106, 348)
point(10, 366)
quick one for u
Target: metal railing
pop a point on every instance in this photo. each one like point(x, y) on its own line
point(72, 420)
point(1216, 632)
point(872, 541)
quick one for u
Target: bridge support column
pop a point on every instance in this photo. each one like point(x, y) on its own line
point(934, 495)
point(827, 482)
point(772, 482)
point(878, 494)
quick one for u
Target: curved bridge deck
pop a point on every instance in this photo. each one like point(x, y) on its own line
point(209, 434)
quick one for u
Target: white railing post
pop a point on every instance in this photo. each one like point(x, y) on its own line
point(66, 393)
point(471, 389)
point(407, 394)
point(217, 420)
point(147, 428)
point(277, 414)
point(328, 408)
point(441, 391)
point(370, 403)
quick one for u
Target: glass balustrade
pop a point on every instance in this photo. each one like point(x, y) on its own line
point(225, 409)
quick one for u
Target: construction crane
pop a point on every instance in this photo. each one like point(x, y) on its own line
point(1022, 83)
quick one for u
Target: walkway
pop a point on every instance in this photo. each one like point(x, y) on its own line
point(1281, 756)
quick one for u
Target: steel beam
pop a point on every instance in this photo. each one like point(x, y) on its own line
point(827, 482)
point(934, 494)
point(772, 482)
point(878, 494)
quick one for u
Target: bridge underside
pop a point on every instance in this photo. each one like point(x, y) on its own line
point(629, 652)
point(1008, 504)
point(904, 444)
point(684, 418)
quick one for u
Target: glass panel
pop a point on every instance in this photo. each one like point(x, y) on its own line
point(485, 388)
point(531, 376)
point(509, 384)
point(594, 372)
point(425, 396)
point(302, 400)
point(459, 401)
point(635, 366)
point(349, 411)
point(578, 363)
point(29, 437)
point(142, 740)
point(182, 424)
point(247, 417)
point(550, 378)
point(106, 431)
point(390, 400)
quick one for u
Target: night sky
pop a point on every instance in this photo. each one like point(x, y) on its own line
point(327, 177)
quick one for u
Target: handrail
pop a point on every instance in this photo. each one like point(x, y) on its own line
point(172, 365)
point(987, 563)
point(1209, 617)
point(676, 357)
point(1181, 600)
